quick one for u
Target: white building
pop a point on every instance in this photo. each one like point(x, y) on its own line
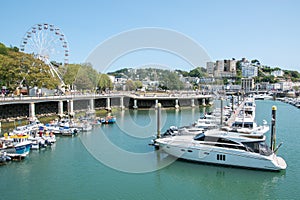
point(285, 86)
point(277, 73)
point(247, 84)
point(249, 71)
point(210, 68)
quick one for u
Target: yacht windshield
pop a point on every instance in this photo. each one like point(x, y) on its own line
point(199, 137)
point(258, 147)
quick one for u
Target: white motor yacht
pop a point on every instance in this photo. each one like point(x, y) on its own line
point(223, 148)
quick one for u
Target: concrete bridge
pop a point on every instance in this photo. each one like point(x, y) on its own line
point(12, 107)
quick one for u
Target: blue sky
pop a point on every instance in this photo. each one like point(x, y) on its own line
point(267, 30)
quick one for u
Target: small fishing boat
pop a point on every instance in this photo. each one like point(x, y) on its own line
point(67, 131)
point(108, 120)
point(16, 145)
point(37, 143)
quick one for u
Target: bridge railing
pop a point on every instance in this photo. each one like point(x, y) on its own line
point(96, 95)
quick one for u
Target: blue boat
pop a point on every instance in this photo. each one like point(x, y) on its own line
point(16, 145)
point(108, 120)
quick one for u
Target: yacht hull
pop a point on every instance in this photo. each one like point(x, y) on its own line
point(222, 156)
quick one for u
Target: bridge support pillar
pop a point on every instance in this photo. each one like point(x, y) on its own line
point(192, 102)
point(156, 103)
point(92, 104)
point(203, 102)
point(71, 108)
point(135, 104)
point(176, 104)
point(108, 104)
point(210, 101)
point(122, 103)
point(60, 108)
point(31, 110)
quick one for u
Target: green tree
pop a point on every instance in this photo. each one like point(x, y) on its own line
point(255, 61)
point(20, 69)
point(198, 72)
point(138, 84)
point(184, 73)
point(170, 80)
point(130, 85)
point(104, 82)
point(82, 81)
point(3, 49)
point(83, 76)
point(70, 72)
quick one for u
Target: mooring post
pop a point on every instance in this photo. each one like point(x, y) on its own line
point(273, 128)
point(158, 119)
point(232, 103)
point(221, 111)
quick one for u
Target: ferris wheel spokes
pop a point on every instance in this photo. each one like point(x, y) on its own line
point(47, 43)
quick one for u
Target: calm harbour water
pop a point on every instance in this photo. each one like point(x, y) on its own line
point(68, 170)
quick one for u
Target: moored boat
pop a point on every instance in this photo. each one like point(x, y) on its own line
point(16, 145)
point(108, 120)
point(223, 148)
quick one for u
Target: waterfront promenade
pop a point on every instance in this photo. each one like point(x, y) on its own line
point(29, 106)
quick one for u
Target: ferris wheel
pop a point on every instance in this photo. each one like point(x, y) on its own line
point(47, 43)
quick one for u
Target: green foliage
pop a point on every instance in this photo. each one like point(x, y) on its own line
point(269, 79)
point(276, 69)
point(255, 61)
point(198, 72)
point(292, 75)
point(82, 81)
point(266, 69)
point(19, 69)
point(120, 72)
point(70, 72)
point(15, 49)
point(130, 85)
point(3, 49)
point(170, 80)
point(104, 82)
point(296, 88)
point(138, 84)
point(83, 76)
point(184, 73)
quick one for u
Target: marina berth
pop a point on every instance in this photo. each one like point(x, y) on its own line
point(223, 148)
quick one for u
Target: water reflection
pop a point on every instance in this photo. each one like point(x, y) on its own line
point(207, 181)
